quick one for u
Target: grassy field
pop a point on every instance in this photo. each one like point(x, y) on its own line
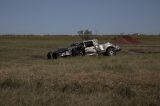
point(27, 78)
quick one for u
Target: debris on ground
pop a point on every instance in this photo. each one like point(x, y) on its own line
point(126, 40)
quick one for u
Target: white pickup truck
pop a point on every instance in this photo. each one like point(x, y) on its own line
point(87, 47)
point(92, 47)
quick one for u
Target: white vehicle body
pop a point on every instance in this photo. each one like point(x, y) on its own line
point(92, 47)
point(87, 47)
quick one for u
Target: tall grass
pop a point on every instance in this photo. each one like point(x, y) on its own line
point(27, 78)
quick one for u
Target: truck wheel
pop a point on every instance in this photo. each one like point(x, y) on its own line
point(83, 51)
point(110, 51)
point(74, 52)
point(54, 55)
point(49, 55)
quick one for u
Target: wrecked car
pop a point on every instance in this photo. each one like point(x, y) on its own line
point(87, 47)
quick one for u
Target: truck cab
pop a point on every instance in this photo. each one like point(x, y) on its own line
point(92, 47)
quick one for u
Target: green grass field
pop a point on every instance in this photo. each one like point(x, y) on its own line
point(27, 78)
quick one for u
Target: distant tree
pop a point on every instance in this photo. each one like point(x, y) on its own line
point(81, 32)
point(85, 34)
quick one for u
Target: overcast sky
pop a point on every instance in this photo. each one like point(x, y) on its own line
point(69, 16)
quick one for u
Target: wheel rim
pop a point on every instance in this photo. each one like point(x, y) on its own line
point(111, 52)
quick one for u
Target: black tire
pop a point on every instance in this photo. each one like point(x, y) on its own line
point(110, 51)
point(49, 55)
point(74, 52)
point(54, 55)
point(83, 51)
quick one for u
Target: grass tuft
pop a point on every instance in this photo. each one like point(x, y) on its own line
point(10, 83)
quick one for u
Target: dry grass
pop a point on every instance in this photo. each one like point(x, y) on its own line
point(27, 78)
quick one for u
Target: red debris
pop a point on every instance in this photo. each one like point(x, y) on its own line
point(126, 40)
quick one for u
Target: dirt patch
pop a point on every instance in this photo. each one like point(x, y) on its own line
point(126, 40)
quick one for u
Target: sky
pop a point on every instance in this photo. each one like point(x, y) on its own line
point(70, 16)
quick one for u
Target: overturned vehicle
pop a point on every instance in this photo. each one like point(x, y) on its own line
point(87, 47)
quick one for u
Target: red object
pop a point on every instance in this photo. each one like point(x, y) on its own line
point(126, 40)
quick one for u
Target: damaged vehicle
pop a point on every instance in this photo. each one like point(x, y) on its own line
point(87, 47)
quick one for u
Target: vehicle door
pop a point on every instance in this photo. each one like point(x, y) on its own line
point(89, 47)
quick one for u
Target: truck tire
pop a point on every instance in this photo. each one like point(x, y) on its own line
point(49, 55)
point(73, 52)
point(54, 56)
point(110, 51)
point(83, 51)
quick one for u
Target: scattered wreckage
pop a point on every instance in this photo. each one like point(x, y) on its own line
point(87, 47)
